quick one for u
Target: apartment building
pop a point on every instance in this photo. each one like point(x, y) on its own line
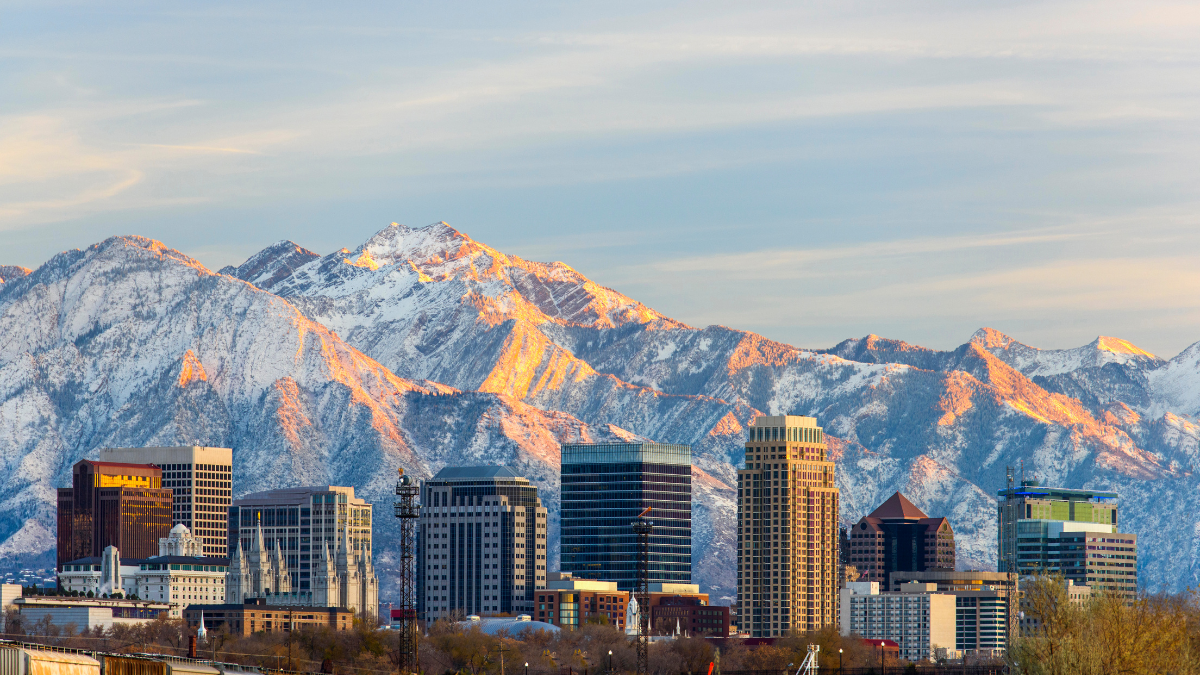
point(788, 559)
point(917, 618)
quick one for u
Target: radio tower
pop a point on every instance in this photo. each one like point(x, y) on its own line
point(642, 528)
point(406, 511)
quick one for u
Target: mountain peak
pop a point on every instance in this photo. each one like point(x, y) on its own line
point(990, 338)
point(272, 265)
point(11, 272)
point(1119, 346)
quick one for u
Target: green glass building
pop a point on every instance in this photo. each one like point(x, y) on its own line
point(1069, 532)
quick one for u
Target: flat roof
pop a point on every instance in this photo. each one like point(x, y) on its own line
point(627, 453)
point(1040, 491)
point(476, 473)
point(122, 465)
point(298, 493)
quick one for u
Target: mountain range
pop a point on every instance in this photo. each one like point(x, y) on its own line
point(422, 348)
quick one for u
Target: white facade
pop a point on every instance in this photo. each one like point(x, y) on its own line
point(88, 612)
point(170, 578)
point(918, 618)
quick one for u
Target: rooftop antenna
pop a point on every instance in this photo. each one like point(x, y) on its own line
point(1008, 474)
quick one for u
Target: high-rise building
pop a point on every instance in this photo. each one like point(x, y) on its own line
point(201, 480)
point(603, 488)
point(304, 546)
point(112, 504)
point(787, 529)
point(899, 537)
point(481, 545)
point(1071, 532)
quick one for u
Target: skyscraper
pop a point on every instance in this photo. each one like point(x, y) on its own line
point(481, 544)
point(112, 504)
point(604, 488)
point(1072, 532)
point(202, 482)
point(899, 537)
point(787, 529)
point(304, 546)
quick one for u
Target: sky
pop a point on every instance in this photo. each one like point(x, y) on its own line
point(811, 171)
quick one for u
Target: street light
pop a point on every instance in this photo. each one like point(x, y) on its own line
point(526, 668)
point(839, 662)
point(610, 661)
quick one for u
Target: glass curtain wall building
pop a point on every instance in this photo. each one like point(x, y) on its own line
point(1072, 532)
point(604, 488)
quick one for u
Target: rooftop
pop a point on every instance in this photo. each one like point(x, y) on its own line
point(1035, 490)
point(476, 473)
point(897, 507)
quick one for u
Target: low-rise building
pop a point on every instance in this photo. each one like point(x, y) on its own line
point(688, 616)
point(88, 612)
point(173, 577)
point(567, 602)
point(981, 606)
point(917, 618)
point(256, 616)
point(1077, 594)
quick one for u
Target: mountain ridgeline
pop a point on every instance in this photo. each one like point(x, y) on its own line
point(423, 348)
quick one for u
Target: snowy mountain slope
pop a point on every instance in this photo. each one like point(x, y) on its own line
point(431, 303)
point(11, 272)
point(272, 264)
point(131, 343)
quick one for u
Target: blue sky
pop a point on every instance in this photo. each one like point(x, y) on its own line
point(811, 171)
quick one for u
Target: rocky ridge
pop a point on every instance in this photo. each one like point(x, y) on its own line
point(422, 347)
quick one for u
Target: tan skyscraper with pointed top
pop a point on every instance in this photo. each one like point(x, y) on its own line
point(787, 529)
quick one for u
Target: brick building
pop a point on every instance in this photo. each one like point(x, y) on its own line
point(899, 537)
point(255, 615)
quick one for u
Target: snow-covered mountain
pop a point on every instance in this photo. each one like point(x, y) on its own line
point(130, 343)
point(431, 303)
point(422, 347)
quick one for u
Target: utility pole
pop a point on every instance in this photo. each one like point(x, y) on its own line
point(407, 512)
point(642, 527)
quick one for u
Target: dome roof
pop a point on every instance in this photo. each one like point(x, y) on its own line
point(180, 529)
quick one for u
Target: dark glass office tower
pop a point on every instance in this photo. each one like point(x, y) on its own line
point(604, 488)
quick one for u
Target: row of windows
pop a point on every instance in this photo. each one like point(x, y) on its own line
point(624, 471)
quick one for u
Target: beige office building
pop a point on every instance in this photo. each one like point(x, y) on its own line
point(201, 480)
point(787, 529)
point(918, 618)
